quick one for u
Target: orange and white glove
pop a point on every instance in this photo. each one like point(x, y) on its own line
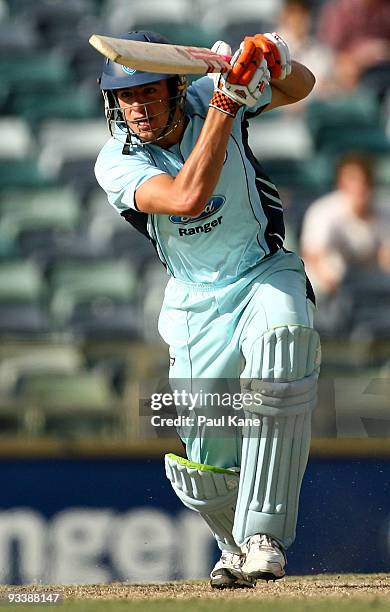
point(245, 82)
point(276, 53)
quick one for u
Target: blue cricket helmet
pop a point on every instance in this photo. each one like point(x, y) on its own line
point(116, 76)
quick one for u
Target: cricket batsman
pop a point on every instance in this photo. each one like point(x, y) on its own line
point(237, 304)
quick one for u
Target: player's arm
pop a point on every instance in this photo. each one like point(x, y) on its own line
point(327, 274)
point(295, 87)
point(319, 249)
point(290, 80)
point(188, 192)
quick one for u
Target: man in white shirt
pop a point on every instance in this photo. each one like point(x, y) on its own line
point(346, 229)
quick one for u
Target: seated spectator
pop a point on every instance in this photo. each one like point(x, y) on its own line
point(295, 26)
point(358, 31)
point(346, 232)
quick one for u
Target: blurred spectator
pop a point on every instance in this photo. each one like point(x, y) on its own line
point(296, 27)
point(359, 32)
point(346, 233)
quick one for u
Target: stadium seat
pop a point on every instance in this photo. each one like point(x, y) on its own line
point(79, 175)
point(65, 389)
point(23, 320)
point(16, 140)
point(62, 103)
point(108, 228)
point(182, 33)
point(9, 249)
point(63, 140)
point(11, 417)
point(339, 119)
point(267, 9)
point(376, 79)
point(18, 7)
point(238, 19)
point(382, 169)
point(4, 95)
point(370, 140)
point(85, 62)
point(19, 359)
point(100, 320)
point(34, 70)
point(103, 219)
point(154, 281)
point(245, 10)
point(22, 297)
point(50, 247)
point(56, 21)
point(130, 243)
point(370, 297)
point(70, 405)
point(20, 281)
point(25, 173)
point(23, 210)
point(314, 175)
point(120, 18)
point(69, 150)
point(17, 37)
point(4, 10)
point(99, 283)
point(280, 136)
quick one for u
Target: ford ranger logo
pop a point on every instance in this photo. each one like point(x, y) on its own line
point(213, 205)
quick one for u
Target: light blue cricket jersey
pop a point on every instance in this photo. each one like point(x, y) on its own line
point(241, 224)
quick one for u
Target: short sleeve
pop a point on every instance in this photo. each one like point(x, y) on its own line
point(318, 229)
point(121, 175)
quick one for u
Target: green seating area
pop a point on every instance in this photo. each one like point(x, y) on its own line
point(80, 289)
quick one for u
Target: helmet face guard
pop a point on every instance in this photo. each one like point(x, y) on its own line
point(115, 77)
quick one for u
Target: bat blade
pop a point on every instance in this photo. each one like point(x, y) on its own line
point(156, 57)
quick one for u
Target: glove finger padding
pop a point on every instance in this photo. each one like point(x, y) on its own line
point(222, 48)
point(271, 55)
point(285, 58)
point(244, 63)
point(249, 75)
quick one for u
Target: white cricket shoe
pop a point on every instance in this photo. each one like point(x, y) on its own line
point(265, 558)
point(227, 573)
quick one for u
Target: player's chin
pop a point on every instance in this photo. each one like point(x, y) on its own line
point(148, 134)
point(143, 130)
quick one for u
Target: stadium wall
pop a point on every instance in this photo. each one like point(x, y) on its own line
point(108, 515)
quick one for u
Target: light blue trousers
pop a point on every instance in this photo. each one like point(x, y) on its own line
point(212, 332)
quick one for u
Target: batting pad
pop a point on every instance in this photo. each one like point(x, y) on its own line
point(276, 440)
point(209, 490)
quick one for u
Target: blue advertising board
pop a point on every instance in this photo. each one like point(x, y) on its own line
point(69, 521)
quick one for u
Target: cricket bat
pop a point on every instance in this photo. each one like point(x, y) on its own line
point(156, 57)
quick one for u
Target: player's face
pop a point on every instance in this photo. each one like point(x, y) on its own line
point(146, 108)
point(354, 182)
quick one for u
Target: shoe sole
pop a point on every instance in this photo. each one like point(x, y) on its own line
point(230, 581)
point(232, 585)
point(265, 576)
point(223, 582)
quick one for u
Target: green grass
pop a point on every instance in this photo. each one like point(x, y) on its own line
point(355, 604)
point(321, 593)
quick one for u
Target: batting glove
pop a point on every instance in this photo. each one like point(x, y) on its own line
point(276, 53)
point(246, 81)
